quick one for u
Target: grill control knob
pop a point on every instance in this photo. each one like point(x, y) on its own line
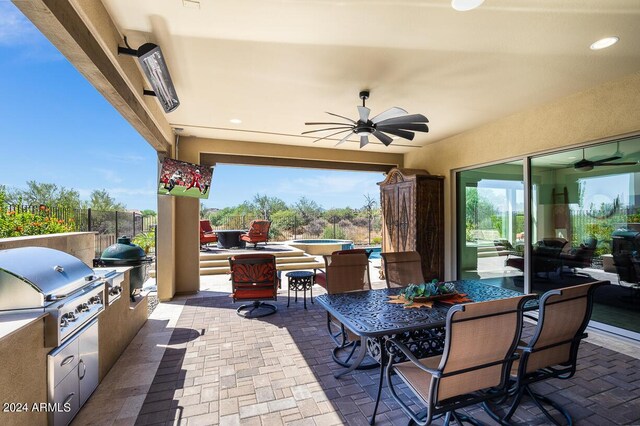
point(71, 316)
point(84, 307)
point(63, 321)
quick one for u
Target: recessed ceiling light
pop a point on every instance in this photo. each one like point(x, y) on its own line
point(571, 158)
point(235, 121)
point(192, 4)
point(603, 43)
point(464, 5)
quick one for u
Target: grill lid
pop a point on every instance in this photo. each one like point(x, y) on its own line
point(49, 271)
point(123, 250)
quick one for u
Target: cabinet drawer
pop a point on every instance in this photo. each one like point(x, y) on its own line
point(62, 361)
point(66, 392)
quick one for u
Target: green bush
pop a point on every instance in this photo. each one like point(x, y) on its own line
point(328, 232)
point(146, 240)
point(14, 224)
point(376, 240)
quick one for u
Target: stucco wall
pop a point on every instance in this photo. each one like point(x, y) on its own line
point(603, 112)
point(78, 244)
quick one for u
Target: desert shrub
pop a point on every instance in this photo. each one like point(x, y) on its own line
point(316, 227)
point(331, 232)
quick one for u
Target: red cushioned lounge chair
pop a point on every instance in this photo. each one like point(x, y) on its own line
point(258, 232)
point(207, 235)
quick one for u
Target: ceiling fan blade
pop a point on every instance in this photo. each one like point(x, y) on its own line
point(390, 113)
point(333, 134)
point(398, 132)
point(364, 140)
point(418, 127)
point(328, 128)
point(343, 140)
point(336, 115)
point(627, 163)
point(364, 113)
point(411, 118)
point(383, 138)
point(606, 160)
point(327, 122)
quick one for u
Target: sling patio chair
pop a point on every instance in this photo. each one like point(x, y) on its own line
point(254, 277)
point(258, 233)
point(320, 276)
point(346, 272)
point(207, 234)
point(478, 354)
point(402, 268)
point(552, 352)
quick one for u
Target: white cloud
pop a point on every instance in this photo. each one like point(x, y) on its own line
point(15, 28)
point(328, 184)
point(109, 175)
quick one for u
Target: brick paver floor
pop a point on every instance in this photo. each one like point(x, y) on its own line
point(219, 368)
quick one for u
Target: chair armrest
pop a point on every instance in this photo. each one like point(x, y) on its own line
point(411, 357)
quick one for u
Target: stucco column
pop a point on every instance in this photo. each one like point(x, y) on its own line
point(165, 248)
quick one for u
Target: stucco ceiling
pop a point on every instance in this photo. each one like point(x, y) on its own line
point(276, 64)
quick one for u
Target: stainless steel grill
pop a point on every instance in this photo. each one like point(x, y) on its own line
point(36, 279)
point(43, 279)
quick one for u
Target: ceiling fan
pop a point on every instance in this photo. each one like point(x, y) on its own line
point(585, 165)
point(395, 121)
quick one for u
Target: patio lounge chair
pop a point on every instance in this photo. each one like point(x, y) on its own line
point(474, 366)
point(253, 277)
point(258, 232)
point(402, 268)
point(552, 352)
point(207, 235)
point(346, 272)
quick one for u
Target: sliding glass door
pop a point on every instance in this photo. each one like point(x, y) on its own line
point(586, 226)
point(491, 224)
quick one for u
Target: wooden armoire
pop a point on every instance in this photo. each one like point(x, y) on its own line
point(412, 203)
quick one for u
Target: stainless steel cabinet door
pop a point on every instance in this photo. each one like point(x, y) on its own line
point(88, 363)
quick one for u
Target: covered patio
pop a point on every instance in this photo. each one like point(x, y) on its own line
point(503, 83)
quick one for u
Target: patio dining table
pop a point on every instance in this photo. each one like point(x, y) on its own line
point(369, 316)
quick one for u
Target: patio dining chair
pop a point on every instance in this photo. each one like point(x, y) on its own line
point(346, 272)
point(207, 234)
point(254, 277)
point(552, 352)
point(479, 351)
point(402, 268)
point(258, 233)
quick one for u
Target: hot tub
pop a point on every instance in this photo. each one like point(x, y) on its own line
point(321, 246)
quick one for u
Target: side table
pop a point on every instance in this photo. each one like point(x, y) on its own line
point(300, 280)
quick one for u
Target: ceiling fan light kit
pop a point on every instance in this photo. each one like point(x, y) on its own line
point(465, 5)
point(395, 121)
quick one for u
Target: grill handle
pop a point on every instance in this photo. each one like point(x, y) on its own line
point(58, 268)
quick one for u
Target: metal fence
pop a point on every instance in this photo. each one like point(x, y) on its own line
point(360, 230)
point(108, 225)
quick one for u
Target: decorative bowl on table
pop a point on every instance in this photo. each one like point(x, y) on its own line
point(424, 292)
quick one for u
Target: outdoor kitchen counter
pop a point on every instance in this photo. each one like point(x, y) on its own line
point(11, 323)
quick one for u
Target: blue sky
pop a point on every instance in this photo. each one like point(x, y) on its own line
point(57, 128)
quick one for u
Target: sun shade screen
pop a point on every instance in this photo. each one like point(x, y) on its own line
point(155, 68)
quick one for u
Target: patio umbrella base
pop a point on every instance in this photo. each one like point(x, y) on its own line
point(256, 310)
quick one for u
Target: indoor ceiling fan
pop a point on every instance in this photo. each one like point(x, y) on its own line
point(395, 121)
point(585, 165)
